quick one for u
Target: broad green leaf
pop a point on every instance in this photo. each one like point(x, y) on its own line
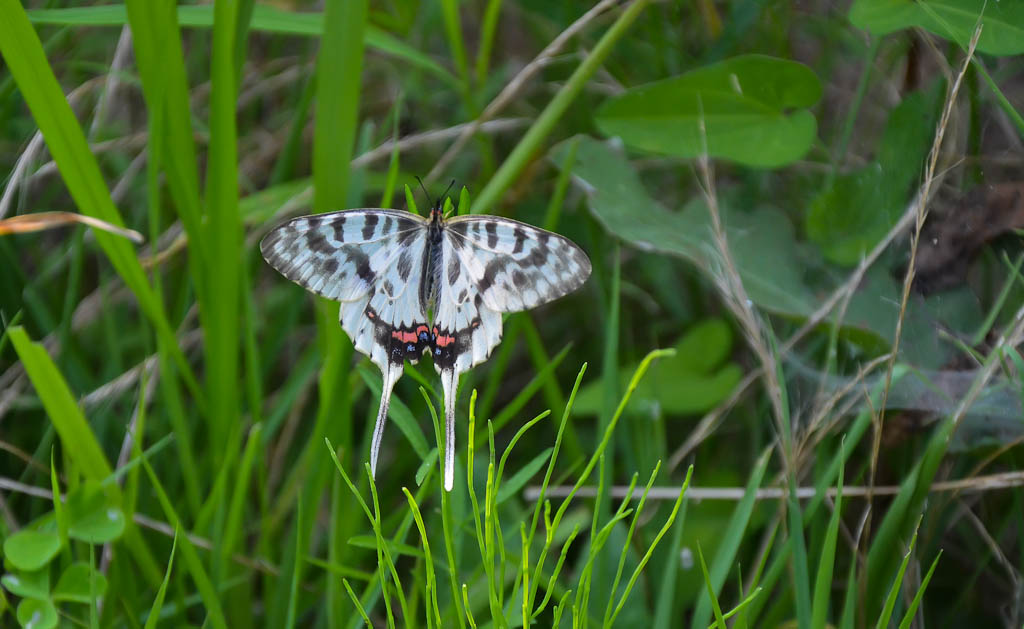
point(37, 614)
point(749, 109)
point(692, 381)
point(29, 583)
point(777, 271)
point(849, 218)
point(1002, 22)
point(80, 583)
point(872, 313)
point(93, 516)
point(31, 550)
point(621, 204)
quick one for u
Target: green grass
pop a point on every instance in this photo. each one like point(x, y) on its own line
point(185, 432)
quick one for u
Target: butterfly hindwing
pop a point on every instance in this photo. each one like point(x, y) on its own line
point(370, 261)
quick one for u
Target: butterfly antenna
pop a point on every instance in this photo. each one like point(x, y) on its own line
point(424, 188)
point(446, 190)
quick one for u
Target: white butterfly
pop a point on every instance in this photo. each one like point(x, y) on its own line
point(409, 285)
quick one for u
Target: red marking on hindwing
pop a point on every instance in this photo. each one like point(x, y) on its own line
point(403, 336)
point(444, 340)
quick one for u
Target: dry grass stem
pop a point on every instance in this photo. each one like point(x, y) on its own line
point(971, 485)
point(920, 215)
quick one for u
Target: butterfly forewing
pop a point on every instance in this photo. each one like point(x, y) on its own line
point(340, 255)
point(514, 266)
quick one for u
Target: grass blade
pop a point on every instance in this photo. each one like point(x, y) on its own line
point(158, 602)
point(719, 619)
point(894, 590)
point(826, 564)
point(223, 236)
point(207, 591)
point(80, 443)
point(654, 544)
point(726, 555)
point(914, 604)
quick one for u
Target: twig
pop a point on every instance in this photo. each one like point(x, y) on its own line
point(977, 484)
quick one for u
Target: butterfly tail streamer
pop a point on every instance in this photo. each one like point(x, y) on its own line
point(450, 383)
point(391, 375)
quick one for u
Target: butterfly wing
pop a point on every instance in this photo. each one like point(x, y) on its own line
point(361, 258)
point(489, 266)
point(371, 261)
point(516, 266)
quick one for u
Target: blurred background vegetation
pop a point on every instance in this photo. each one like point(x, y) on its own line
point(817, 205)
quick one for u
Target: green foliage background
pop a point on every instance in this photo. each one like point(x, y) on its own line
point(744, 177)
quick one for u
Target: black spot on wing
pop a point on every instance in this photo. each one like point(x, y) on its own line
point(387, 225)
point(462, 296)
point(361, 262)
point(405, 223)
point(492, 234)
point(331, 265)
point(520, 239)
point(408, 235)
point(519, 279)
point(369, 223)
point(537, 257)
point(404, 266)
point(339, 228)
point(454, 269)
point(316, 241)
point(491, 271)
point(313, 222)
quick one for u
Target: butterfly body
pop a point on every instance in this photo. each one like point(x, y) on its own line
point(410, 285)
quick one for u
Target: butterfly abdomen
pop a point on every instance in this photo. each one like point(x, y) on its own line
point(431, 284)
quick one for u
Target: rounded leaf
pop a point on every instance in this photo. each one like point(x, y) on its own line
point(30, 584)
point(31, 550)
point(747, 109)
point(1002, 23)
point(36, 614)
point(93, 516)
point(80, 583)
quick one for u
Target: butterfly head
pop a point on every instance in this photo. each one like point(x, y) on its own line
point(437, 210)
point(437, 206)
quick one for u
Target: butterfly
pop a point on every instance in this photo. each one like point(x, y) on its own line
point(410, 285)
